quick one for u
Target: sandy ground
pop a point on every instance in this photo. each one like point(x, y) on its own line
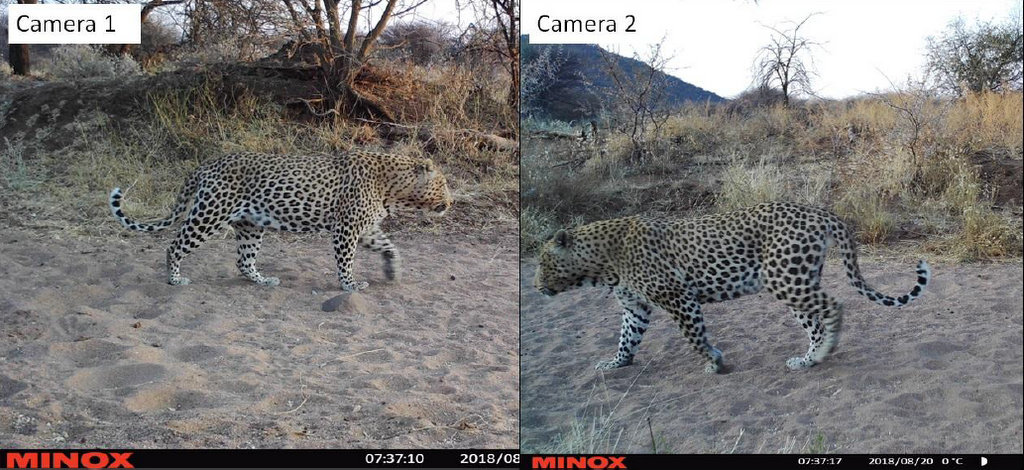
point(943, 374)
point(97, 350)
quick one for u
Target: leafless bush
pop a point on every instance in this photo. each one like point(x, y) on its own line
point(419, 42)
point(920, 115)
point(79, 61)
point(639, 103)
point(540, 72)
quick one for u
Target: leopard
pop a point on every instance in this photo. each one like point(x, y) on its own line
point(347, 194)
point(681, 264)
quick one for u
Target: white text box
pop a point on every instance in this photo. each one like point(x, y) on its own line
point(586, 21)
point(74, 24)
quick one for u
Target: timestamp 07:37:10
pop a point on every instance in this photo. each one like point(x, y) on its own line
point(460, 458)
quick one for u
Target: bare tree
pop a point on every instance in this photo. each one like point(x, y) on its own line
point(147, 9)
point(249, 24)
point(540, 73)
point(987, 57)
point(343, 52)
point(640, 97)
point(18, 54)
point(786, 61)
point(503, 15)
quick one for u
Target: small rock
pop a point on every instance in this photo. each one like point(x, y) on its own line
point(350, 302)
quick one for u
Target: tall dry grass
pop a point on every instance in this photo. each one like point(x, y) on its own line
point(900, 165)
point(69, 169)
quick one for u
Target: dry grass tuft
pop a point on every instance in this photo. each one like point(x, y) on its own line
point(179, 126)
point(897, 166)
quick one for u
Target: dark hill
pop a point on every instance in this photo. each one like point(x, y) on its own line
point(574, 83)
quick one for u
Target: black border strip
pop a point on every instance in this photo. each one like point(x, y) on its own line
point(784, 461)
point(269, 458)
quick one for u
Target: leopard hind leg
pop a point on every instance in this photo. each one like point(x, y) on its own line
point(248, 239)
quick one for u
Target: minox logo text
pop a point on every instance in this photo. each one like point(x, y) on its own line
point(582, 461)
point(69, 460)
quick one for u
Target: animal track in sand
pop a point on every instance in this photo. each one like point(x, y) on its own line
point(170, 398)
point(89, 353)
point(198, 353)
point(933, 349)
point(9, 387)
point(115, 377)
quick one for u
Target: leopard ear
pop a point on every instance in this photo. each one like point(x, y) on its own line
point(425, 166)
point(563, 239)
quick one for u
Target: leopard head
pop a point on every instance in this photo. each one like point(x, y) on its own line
point(559, 267)
point(421, 187)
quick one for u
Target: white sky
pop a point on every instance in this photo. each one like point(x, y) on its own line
point(865, 43)
point(455, 12)
point(714, 43)
point(442, 10)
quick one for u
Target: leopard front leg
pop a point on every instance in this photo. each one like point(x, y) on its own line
point(345, 239)
point(635, 321)
point(376, 241)
point(685, 310)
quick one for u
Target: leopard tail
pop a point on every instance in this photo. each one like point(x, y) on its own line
point(186, 195)
point(842, 237)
